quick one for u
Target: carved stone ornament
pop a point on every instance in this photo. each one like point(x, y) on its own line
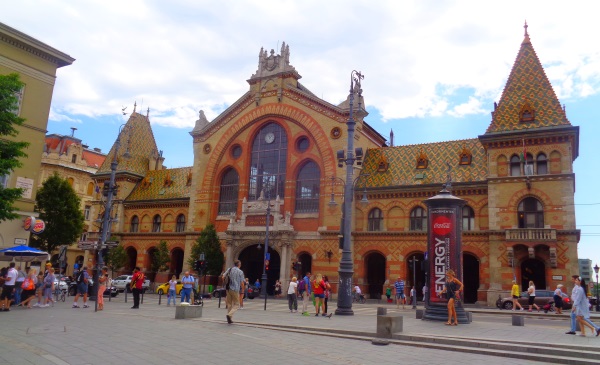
point(336, 132)
point(206, 148)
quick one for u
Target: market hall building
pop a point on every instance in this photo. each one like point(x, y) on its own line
point(276, 146)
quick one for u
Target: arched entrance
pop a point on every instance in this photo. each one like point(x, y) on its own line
point(131, 259)
point(176, 265)
point(305, 260)
point(533, 270)
point(252, 265)
point(375, 270)
point(415, 275)
point(149, 263)
point(470, 277)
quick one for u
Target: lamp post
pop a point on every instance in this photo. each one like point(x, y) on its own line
point(107, 219)
point(344, 302)
point(266, 255)
point(596, 268)
point(203, 268)
point(414, 298)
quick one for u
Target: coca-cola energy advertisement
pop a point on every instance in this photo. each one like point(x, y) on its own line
point(442, 250)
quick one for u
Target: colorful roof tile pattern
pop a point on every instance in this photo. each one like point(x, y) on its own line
point(402, 164)
point(163, 184)
point(137, 139)
point(527, 83)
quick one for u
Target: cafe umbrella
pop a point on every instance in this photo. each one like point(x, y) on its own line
point(23, 254)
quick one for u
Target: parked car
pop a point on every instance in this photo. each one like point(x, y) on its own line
point(541, 298)
point(163, 289)
point(122, 282)
point(253, 292)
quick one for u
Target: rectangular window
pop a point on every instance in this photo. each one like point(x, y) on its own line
point(86, 212)
point(4, 180)
point(74, 158)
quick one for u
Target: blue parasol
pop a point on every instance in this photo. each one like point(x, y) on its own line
point(23, 253)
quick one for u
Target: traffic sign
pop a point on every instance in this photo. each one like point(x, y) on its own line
point(111, 243)
point(87, 245)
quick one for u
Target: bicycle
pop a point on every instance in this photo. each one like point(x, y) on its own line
point(359, 298)
point(60, 294)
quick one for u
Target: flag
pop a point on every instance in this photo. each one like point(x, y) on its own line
point(524, 153)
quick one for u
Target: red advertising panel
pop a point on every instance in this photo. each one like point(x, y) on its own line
point(442, 250)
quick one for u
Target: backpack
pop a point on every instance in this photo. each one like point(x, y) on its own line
point(301, 286)
point(80, 277)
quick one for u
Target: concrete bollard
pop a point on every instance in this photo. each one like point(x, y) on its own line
point(389, 324)
point(419, 314)
point(518, 320)
point(381, 311)
point(469, 316)
point(188, 311)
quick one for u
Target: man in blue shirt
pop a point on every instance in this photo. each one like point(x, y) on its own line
point(236, 279)
point(400, 297)
point(186, 290)
point(306, 294)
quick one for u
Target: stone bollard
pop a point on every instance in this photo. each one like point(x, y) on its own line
point(419, 313)
point(518, 320)
point(469, 316)
point(389, 324)
point(188, 311)
point(381, 311)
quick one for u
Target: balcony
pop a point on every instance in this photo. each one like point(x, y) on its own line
point(531, 234)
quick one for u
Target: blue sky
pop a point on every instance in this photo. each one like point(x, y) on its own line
point(433, 69)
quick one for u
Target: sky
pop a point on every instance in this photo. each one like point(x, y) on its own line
point(433, 68)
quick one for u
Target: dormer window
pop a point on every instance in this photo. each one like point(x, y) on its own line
point(422, 160)
point(465, 156)
point(527, 113)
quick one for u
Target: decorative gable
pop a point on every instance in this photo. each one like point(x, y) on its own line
point(422, 160)
point(465, 156)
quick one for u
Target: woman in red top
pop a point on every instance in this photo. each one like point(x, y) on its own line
point(318, 288)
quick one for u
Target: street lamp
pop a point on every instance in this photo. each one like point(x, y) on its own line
point(414, 265)
point(266, 255)
point(344, 303)
point(596, 268)
point(107, 219)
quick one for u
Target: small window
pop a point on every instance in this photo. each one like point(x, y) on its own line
point(90, 188)
point(468, 218)
point(135, 224)
point(418, 219)
point(515, 166)
point(542, 164)
point(4, 180)
point(236, 151)
point(71, 181)
point(86, 212)
point(180, 225)
point(302, 144)
point(375, 220)
point(156, 223)
point(74, 159)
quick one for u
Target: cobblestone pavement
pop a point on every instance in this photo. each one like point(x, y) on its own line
point(151, 335)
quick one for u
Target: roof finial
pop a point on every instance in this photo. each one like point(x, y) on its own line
point(134, 106)
point(148, 113)
point(525, 26)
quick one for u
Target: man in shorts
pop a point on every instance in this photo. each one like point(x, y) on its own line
point(400, 297)
point(9, 287)
point(82, 280)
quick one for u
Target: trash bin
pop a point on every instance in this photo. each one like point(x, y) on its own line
point(209, 288)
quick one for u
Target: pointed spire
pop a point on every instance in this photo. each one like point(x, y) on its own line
point(525, 26)
point(526, 35)
point(148, 114)
point(134, 106)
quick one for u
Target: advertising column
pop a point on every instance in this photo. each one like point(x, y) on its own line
point(444, 251)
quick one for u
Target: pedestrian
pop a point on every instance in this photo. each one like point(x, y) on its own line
point(19, 285)
point(82, 279)
point(257, 284)
point(399, 293)
point(319, 291)
point(102, 281)
point(516, 294)
point(39, 290)
point(306, 293)
point(413, 296)
point(558, 299)
point(172, 293)
point(137, 281)
point(49, 288)
point(327, 294)
point(9, 286)
point(424, 292)
point(235, 276)
point(246, 287)
point(292, 295)
point(388, 294)
point(242, 291)
point(452, 291)
point(580, 312)
point(186, 291)
point(531, 292)
point(29, 285)
point(277, 289)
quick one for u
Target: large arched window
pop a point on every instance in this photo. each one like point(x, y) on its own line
point(268, 163)
point(135, 224)
point(530, 213)
point(228, 196)
point(515, 166)
point(308, 188)
point(418, 219)
point(375, 220)
point(542, 164)
point(180, 224)
point(156, 223)
point(468, 218)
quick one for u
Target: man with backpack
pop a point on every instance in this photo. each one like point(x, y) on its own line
point(233, 279)
point(82, 280)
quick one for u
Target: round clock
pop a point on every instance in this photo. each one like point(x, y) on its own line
point(269, 137)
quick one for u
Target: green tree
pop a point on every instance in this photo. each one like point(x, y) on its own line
point(59, 207)
point(161, 257)
point(209, 243)
point(10, 151)
point(116, 258)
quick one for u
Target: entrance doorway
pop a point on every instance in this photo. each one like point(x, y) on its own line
point(533, 270)
point(176, 262)
point(470, 277)
point(375, 270)
point(131, 259)
point(252, 265)
point(415, 275)
point(305, 260)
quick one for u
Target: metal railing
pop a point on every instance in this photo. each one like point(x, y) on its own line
point(531, 234)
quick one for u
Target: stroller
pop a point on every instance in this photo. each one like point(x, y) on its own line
point(548, 307)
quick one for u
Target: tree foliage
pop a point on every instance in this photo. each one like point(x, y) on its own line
point(11, 151)
point(59, 207)
point(116, 258)
point(209, 243)
point(161, 257)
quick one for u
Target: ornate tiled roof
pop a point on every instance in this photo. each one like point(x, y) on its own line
point(527, 91)
point(137, 139)
point(393, 166)
point(163, 185)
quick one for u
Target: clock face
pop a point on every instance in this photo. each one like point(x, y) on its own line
point(269, 137)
